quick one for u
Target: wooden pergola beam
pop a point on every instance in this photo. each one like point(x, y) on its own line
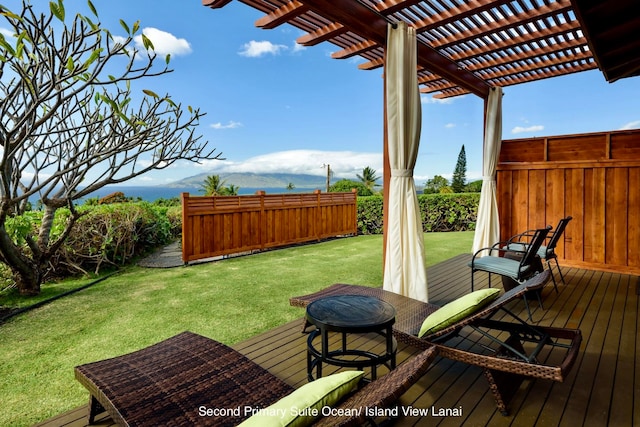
point(454, 14)
point(322, 34)
point(509, 22)
point(504, 44)
point(535, 76)
point(370, 25)
point(281, 15)
point(354, 50)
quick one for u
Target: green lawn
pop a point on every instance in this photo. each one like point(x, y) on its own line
point(229, 301)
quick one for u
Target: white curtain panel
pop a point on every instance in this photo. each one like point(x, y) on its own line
point(405, 271)
point(488, 224)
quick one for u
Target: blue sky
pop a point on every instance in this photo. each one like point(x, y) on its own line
point(274, 106)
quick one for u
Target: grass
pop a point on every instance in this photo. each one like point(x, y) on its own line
point(228, 301)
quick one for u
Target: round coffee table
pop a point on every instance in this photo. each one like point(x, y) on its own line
point(350, 314)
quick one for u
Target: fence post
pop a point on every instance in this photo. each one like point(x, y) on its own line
point(262, 219)
point(317, 216)
point(186, 237)
point(355, 211)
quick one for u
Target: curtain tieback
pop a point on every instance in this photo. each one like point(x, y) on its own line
point(402, 173)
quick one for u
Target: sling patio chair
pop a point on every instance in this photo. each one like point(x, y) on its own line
point(546, 252)
point(507, 351)
point(514, 264)
point(191, 380)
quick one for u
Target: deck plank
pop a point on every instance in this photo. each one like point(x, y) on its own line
point(600, 390)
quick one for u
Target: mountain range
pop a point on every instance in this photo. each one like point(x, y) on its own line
point(254, 180)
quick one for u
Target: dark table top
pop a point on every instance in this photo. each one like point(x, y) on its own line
point(351, 313)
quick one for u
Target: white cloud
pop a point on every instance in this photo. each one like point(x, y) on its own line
point(631, 125)
point(343, 163)
point(255, 49)
point(230, 125)
point(450, 125)
point(520, 129)
point(119, 39)
point(7, 33)
point(428, 99)
point(297, 47)
point(164, 43)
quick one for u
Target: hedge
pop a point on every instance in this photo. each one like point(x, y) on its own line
point(439, 212)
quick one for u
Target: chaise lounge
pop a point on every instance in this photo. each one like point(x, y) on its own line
point(192, 380)
point(520, 355)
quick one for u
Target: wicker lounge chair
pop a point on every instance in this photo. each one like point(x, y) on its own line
point(167, 384)
point(508, 364)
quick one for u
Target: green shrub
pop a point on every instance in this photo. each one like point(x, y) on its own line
point(449, 212)
point(346, 185)
point(370, 215)
point(174, 216)
point(110, 234)
point(439, 212)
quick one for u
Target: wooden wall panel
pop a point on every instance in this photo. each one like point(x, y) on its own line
point(504, 190)
point(595, 211)
point(537, 199)
point(522, 151)
point(616, 215)
point(554, 207)
point(633, 225)
point(574, 206)
point(595, 178)
point(214, 226)
point(625, 146)
point(589, 147)
point(520, 197)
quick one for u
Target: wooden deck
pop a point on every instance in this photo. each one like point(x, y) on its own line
point(602, 389)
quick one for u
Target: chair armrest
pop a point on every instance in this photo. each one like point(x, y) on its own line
point(496, 247)
point(517, 238)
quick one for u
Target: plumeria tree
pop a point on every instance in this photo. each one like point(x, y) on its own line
point(71, 122)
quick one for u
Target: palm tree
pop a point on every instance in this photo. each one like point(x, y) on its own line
point(231, 190)
point(368, 177)
point(290, 186)
point(213, 186)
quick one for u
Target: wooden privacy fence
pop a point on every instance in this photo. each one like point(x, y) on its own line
point(224, 225)
point(593, 177)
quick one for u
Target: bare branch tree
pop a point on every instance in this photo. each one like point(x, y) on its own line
point(68, 124)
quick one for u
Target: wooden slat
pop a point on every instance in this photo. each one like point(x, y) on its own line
point(537, 199)
point(633, 226)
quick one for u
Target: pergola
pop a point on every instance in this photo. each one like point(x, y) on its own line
point(462, 47)
point(469, 46)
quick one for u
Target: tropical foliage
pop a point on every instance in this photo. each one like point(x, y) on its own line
point(369, 178)
point(214, 186)
point(74, 119)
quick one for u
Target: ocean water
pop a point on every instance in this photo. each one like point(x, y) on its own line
point(151, 194)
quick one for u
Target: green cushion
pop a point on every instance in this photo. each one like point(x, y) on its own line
point(304, 405)
point(457, 310)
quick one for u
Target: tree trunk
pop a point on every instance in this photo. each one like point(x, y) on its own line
point(26, 272)
point(28, 283)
